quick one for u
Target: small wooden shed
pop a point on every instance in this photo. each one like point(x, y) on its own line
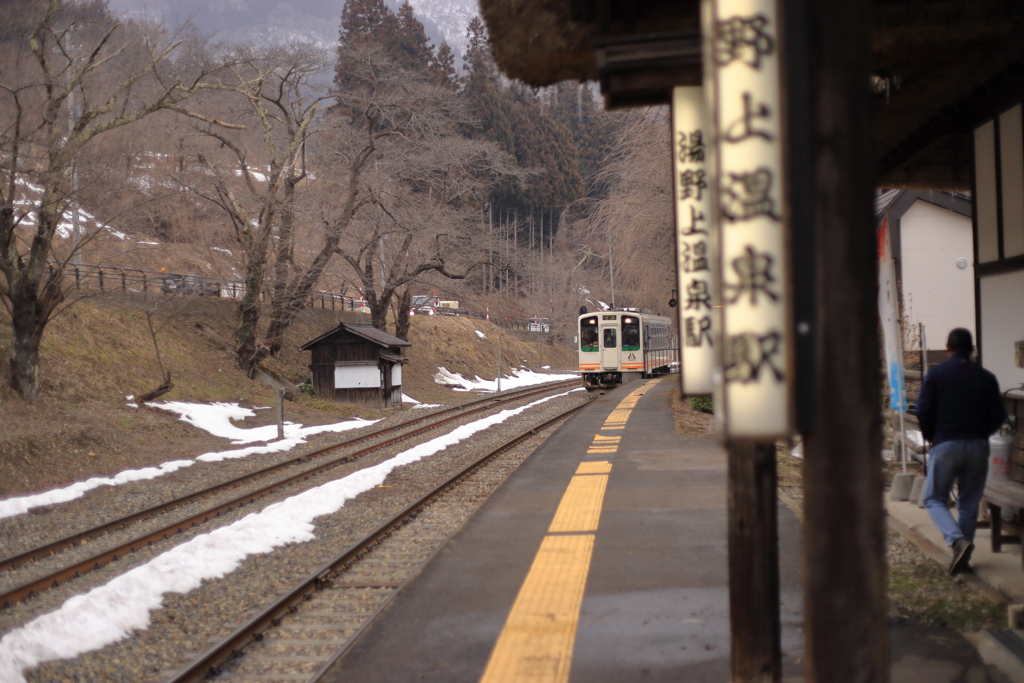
point(357, 363)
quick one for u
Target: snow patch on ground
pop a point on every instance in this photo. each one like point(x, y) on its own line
point(480, 334)
point(18, 506)
point(406, 398)
point(109, 613)
point(213, 418)
point(416, 404)
point(519, 378)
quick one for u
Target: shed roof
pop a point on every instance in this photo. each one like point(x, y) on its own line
point(367, 332)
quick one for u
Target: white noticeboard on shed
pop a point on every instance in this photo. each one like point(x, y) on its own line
point(356, 376)
point(396, 374)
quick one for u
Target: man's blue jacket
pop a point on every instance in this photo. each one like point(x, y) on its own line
point(959, 400)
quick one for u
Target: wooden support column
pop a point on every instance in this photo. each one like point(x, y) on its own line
point(845, 622)
point(754, 564)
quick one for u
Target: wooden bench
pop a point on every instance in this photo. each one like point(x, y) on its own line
point(1009, 495)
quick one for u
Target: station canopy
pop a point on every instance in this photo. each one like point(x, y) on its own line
point(939, 68)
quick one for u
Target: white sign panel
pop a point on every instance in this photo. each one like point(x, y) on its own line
point(693, 244)
point(752, 276)
point(356, 376)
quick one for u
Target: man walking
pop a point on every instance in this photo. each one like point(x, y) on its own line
point(959, 408)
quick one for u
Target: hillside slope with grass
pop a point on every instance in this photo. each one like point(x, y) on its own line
point(101, 351)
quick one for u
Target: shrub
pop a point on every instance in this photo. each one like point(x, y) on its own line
point(702, 404)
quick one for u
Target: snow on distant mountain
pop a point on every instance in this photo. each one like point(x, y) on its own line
point(275, 22)
point(451, 17)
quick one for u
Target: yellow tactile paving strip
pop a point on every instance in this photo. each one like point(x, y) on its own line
point(594, 467)
point(580, 509)
point(536, 643)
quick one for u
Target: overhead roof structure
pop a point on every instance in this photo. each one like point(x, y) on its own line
point(939, 67)
point(368, 332)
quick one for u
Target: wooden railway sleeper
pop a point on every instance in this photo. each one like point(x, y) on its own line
point(345, 561)
point(12, 563)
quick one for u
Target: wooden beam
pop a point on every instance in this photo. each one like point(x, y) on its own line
point(754, 564)
point(845, 615)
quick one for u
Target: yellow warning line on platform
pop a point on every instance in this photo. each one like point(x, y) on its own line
point(581, 505)
point(536, 644)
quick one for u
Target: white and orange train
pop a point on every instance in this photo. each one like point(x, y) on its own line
point(617, 346)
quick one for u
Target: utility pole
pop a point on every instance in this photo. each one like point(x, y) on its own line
point(73, 115)
point(611, 269)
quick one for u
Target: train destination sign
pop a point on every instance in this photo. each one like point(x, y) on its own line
point(693, 241)
point(743, 71)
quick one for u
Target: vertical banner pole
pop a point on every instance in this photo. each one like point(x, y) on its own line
point(752, 384)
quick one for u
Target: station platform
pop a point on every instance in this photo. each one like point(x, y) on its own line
point(602, 558)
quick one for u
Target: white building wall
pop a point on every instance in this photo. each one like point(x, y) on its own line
point(935, 291)
point(1002, 324)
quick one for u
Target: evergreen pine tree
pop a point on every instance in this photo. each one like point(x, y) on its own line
point(510, 115)
point(443, 67)
point(362, 21)
point(364, 18)
point(412, 49)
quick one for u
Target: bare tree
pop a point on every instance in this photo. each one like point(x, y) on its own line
point(52, 61)
point(253, 174)
point(630, 229)
point(416, 210)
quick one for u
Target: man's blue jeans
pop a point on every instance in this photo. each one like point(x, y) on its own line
point(965, 462)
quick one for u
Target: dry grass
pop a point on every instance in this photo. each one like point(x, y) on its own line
point(687, 420)
point(100, 351)
point(921, 590)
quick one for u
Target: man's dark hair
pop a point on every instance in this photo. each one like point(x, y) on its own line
point(960, 341)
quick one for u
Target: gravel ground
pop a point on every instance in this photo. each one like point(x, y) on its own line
point(920, 590)
point(99, 505)
point(188, 623)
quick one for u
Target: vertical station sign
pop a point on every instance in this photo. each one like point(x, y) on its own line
point(742, 70)
point(693, 246)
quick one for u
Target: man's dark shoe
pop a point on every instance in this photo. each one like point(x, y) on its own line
point(962, 550)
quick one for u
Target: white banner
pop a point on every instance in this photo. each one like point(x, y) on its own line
point(742, 64)
point(693, 246)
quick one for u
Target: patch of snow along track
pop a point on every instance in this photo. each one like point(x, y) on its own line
point(519, 378)
point(109, 613)
point(215, 419)
point(19, 506)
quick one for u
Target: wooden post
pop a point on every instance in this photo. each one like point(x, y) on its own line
point(279, 412)
point(845, 615)
point(754, 563)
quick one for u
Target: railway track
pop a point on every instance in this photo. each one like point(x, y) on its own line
point(80, 567)
point(299, 636)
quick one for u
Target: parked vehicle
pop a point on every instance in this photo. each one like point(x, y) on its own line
point(423, 305)
point(188, 285)
point(538, 325)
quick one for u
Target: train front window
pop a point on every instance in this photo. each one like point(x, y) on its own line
point(588, 334)
point(630, 333)
point(609, 338)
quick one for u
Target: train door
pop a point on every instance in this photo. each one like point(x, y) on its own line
point(610, 346)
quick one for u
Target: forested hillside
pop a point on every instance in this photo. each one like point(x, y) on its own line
point(409, 172)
